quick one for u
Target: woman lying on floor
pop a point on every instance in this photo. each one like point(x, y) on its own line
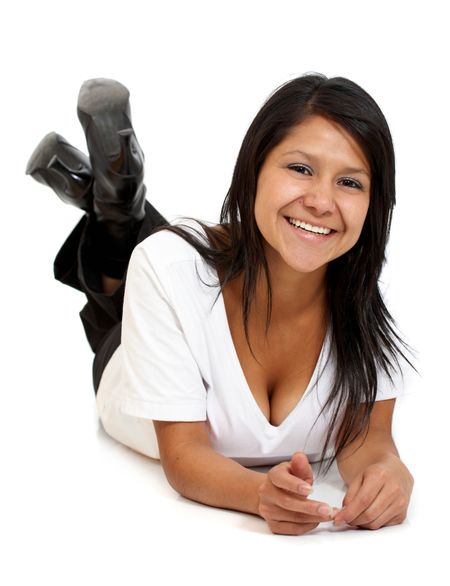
point(262, 340)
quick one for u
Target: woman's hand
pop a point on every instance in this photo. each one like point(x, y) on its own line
point(283, 499)
point(379, 496)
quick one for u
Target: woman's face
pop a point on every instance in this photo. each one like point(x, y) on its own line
point(319, 176)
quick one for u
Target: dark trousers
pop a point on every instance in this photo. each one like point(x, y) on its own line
point(77, 265)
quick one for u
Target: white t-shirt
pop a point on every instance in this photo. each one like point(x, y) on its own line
point(177, 362)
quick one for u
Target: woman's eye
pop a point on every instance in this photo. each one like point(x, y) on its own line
point(347, 182)
point(352, 183)
point(299, 168)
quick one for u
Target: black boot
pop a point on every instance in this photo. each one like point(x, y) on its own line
point(116, 157)
point(64, 168)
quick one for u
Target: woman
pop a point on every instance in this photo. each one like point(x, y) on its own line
point(262, 340)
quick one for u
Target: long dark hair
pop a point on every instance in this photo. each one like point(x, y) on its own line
point(363, 335)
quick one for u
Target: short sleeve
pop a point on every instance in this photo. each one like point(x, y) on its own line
point(160, 375)
point(404, 381)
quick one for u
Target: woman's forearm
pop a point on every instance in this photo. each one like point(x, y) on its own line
point(199, 473)
point(356, 457)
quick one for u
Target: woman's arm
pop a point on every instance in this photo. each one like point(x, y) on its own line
point(379, 484)
point(378, 444)
point(199, 473)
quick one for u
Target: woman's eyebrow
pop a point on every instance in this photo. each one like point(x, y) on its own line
point(312, 157)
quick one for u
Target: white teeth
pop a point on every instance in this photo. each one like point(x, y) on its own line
point(309, 227)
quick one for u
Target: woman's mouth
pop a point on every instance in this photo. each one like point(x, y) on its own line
point(310, 230)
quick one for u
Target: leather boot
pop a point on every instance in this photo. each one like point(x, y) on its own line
point(116, 158)
point(64, 168)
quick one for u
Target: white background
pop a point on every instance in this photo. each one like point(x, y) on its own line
point(76, 507)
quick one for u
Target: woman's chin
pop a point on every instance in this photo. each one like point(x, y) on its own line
point(306, 267)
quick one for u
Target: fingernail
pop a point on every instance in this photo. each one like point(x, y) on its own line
point(304, 489)
point(340, 522)
point(325, 510)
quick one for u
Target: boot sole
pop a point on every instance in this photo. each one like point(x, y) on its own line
point(104, 104)
point(52, 145)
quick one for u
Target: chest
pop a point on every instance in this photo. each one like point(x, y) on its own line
point(283, 361)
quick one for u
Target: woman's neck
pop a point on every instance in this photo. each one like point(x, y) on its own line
point(296, 299)
point(293, 297)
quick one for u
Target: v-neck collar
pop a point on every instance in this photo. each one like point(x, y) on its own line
point(242, 381)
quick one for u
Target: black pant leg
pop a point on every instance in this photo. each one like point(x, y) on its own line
point(76, 265)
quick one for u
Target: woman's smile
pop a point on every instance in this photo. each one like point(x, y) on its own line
point(310, 228)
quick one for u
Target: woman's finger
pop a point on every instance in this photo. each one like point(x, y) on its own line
point(299, 504)
point(281, 477)
point(277, 513)
point(377, 508)
point(299, 466)
point(288, 528)
point(352, 490)
point(366, 495)
point(392, 515)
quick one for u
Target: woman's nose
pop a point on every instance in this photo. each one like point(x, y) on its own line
point(320, 198)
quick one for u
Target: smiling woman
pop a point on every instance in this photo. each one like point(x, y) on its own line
point(300, 360)
point(312, 189)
